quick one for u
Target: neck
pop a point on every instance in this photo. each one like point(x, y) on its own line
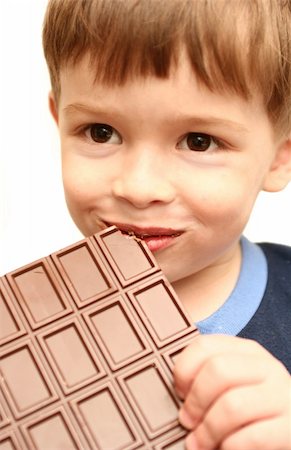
point(204, 292)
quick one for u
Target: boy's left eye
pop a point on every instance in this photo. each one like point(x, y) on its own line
point(198, 142)
point(102, 133)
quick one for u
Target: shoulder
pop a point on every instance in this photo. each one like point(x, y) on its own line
point(278, 258)
point(276, 250)
point(271, 323)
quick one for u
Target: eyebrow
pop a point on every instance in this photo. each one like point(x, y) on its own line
point(190, 118)
point(79, 107)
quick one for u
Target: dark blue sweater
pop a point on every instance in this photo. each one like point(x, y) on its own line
point(271, 324)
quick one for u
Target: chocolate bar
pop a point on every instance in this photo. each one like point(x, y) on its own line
point(89, 337)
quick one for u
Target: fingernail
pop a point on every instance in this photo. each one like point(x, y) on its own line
point(185, 419)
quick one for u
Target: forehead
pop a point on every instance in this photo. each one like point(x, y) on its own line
point(82, 78)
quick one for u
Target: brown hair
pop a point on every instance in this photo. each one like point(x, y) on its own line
point(233, 45)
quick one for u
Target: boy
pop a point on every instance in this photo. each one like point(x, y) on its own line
point(173, 115)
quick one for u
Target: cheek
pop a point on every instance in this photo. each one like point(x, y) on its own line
point(82, 182)
point(76, 189)
point(82, 195)
point(222, 199)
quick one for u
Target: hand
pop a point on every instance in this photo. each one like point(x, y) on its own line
point(237, 396)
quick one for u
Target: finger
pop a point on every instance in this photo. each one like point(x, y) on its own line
point(191, 442)
point(203, 348)
point(218, 375)
point(236, 409)
point(270, 434)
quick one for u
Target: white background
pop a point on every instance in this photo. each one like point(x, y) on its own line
point(33, 217)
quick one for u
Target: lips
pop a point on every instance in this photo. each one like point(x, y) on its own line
point(156, 238)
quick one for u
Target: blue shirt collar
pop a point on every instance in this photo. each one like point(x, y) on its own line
point(246, 296)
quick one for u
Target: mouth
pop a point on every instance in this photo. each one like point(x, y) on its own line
point(156, 238)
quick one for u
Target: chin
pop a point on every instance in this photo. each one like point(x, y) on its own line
point(168, 271)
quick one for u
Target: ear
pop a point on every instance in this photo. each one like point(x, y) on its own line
point(53, 107)
point(280, 170)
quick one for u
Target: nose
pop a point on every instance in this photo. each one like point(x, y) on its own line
point(143, 179)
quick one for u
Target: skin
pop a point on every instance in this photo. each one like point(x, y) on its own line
point(148, 175)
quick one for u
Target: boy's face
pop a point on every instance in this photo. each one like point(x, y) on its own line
point(167, 159)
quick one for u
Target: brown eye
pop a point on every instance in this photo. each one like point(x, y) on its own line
point(100, 133)
point(198, 142)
